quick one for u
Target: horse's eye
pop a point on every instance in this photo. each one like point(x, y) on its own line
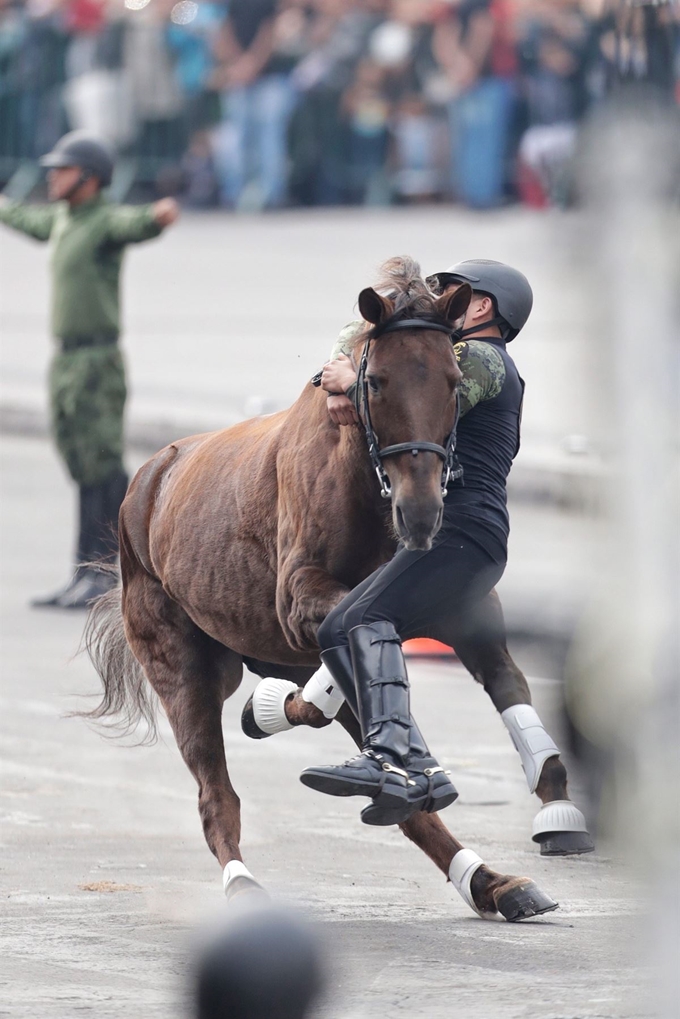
point(373, 384)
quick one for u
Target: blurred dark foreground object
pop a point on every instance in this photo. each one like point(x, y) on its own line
point(265, 963)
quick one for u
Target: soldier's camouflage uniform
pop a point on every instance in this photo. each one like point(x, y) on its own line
point(481, 365)
point(87, 374)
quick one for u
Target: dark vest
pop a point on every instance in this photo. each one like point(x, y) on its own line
point(488, 441)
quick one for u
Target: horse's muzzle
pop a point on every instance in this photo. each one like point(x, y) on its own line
point(417, 522)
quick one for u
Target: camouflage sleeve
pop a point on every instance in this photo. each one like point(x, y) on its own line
point(483, 373)
point(344, 342)
point(35, 220)
point(130, 224)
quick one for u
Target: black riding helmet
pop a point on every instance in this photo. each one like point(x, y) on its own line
point(512, 295)
point(85, 150)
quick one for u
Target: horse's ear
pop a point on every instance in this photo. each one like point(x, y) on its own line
point(453, 306)
point(373, 307)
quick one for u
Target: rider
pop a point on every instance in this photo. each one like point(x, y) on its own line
point(419, 593)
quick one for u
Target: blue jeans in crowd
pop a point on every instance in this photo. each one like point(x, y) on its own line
point(481, 121)
point(252, 144)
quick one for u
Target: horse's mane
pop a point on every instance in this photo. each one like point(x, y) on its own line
point(400, 279)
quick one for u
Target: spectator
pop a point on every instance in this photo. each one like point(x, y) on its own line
point(474, 49)
point(366, 110)
point(552, 48)
point(33, 42)
point(190, 34)
point(257, 101)
point(320, 141)
point(260, 103)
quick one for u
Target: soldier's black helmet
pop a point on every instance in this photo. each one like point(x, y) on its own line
point(80, 148)
point(509, 288)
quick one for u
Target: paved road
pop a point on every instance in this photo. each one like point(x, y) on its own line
point(80, 813)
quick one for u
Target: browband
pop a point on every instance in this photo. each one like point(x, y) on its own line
point(409, 323)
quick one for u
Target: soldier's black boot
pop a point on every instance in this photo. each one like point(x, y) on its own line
point(382, 694)
point(98, 542)
point(429, 787)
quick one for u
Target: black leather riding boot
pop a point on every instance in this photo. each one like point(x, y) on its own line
point(97, 542)
point(431, 789)
point(382, 698)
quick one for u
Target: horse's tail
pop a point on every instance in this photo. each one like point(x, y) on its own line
point(126, 690)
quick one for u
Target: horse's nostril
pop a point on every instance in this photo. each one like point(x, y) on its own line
point(401, 523)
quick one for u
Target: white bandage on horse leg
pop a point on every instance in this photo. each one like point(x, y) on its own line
point(532, 742)
point(324, 693)
point(269, 699)
point(462, 869)
point(233, 870)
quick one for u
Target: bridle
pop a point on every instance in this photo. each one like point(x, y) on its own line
point(451, 470)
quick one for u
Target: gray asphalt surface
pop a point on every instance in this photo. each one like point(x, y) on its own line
point(106, 878)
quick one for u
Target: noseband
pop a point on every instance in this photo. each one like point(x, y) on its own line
point(451, 469)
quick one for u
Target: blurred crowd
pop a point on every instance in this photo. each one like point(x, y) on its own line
point(254, 104)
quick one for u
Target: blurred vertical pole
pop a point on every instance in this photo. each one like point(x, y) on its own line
point(624, 685)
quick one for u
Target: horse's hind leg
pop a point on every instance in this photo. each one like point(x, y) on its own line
point(192, 675)
point(479, 640)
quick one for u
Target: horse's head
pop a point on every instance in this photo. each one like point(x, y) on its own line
point(411, 381)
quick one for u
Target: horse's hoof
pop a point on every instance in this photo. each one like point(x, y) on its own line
point(560, 829)
point(565, 843)
point(248, 723)
point(239, 882)
point(264, 713)
point(523, 902)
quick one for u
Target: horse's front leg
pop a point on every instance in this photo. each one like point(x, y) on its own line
point(304, 597)
point(488, 893)
point(479, 640)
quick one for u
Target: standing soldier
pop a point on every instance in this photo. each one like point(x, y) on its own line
point(87, 238)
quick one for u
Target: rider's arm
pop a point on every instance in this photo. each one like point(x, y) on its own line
point(483, 373)
point(35, 220)
point(339, 377)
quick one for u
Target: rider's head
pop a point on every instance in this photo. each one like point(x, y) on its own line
point(80, 165)
point(502, 297)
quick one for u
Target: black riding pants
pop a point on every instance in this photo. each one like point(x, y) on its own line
point(424, 594)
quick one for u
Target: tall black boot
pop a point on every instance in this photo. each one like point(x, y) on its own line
point(429, 788)
point(98, 542)
point(382, 697)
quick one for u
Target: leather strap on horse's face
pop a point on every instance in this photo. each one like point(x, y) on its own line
point(451, 470)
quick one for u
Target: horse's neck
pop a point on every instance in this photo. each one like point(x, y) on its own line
point(351, 463)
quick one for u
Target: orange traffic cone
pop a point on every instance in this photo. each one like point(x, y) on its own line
point(424, 647)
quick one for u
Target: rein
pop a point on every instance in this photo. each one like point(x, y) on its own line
point(451, 470)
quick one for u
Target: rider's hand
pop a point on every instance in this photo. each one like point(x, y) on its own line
point(341, 410)
point(337, 376)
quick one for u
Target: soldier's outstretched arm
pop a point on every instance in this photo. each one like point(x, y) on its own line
point(131, 224)
point(35, 220)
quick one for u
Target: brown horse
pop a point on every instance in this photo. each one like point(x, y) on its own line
point(235, 545)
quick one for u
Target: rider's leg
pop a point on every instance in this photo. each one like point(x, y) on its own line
point(414, 590)
point(480, 641)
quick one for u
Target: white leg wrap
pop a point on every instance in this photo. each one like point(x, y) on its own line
point(532, 742)
point(269, 698)
point(461, 871)
point(558, 815)
point(233, 870)
point(323, 692)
